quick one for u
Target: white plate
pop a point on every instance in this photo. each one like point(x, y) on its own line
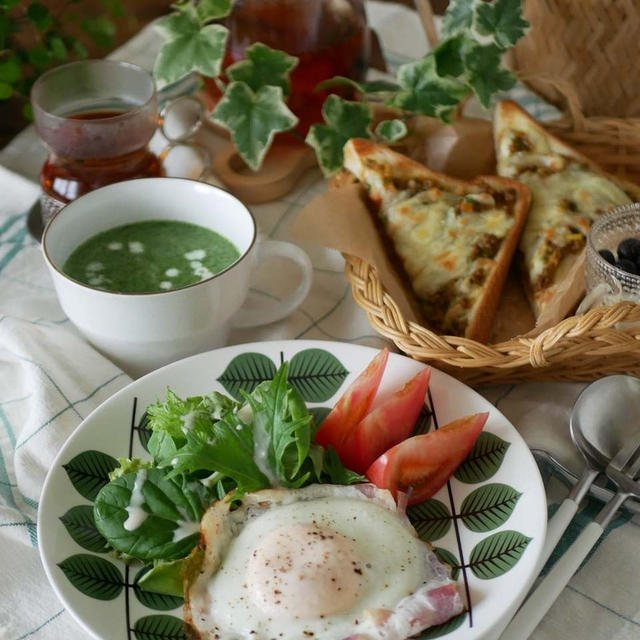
point(500, 545)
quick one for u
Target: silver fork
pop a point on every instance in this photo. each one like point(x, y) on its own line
point(624, 471)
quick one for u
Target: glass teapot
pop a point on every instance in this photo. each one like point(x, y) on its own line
point(330, 38)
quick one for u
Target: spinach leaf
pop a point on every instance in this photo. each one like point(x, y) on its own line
point(173, 507)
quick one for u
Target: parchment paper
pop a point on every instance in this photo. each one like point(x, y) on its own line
point(341, 219)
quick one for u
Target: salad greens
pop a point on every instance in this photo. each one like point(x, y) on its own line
point(206, 448)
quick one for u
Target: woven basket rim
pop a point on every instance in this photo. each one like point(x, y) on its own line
point(594, 331)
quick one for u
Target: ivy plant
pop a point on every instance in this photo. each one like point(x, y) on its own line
point(34, 38)
point(254, 91)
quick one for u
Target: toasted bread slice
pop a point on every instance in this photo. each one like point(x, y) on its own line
point(454, 238)
point(568, 192)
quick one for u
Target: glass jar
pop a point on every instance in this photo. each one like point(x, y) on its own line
point(330, 38)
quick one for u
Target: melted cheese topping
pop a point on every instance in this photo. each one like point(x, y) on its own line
point(439, 238)
point(566, 197)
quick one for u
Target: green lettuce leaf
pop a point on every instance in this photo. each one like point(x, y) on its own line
point(165, 577)
point(253, 119)
point(176, 416)
point(225, 446)
point(263, 66)
point(344, 120)
point(129, 465)
point(281, 430)
point(189, 47)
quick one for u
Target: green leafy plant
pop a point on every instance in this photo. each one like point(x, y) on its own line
point(253, 106)
point(34, 37)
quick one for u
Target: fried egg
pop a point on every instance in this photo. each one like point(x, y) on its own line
point(325, 561)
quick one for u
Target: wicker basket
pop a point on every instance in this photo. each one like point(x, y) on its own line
point(605, 340)
point(590, 44)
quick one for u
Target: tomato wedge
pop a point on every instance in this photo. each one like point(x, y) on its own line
point(422, 464)
point(353, 405)
point(387, 425)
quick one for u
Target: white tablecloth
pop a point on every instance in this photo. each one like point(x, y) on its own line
point(50, 378)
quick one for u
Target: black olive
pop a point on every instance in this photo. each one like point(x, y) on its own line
point(629, 249)
point(607, 255)
point(627, 265)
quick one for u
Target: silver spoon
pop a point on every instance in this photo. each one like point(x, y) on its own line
point(600, 426)
point(624, 471)
point(602, 494)
point(605, 430)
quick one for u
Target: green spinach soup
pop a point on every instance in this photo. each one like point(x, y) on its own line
point(154, 255)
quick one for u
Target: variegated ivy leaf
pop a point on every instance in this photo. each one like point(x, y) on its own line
point(391, 130)
point(344, 120)
point(486, 74)
point(501, 20)
point(213, 9)
point(253, 118)
point(449, 57)
point(458, 17)
point(189, 47)
point(424, 91)
point(371, 86)
point(263, 66)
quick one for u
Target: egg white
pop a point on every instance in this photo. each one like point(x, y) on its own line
point(316, 562)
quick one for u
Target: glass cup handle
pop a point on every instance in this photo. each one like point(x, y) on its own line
point(180, 119)
point(275, 248)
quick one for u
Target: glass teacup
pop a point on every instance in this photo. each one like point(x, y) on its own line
point(96, 118)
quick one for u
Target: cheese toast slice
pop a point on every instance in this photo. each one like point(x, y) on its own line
point(454, 238)
point(568, 192)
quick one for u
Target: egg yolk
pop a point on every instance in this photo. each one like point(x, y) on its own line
point(305, 571)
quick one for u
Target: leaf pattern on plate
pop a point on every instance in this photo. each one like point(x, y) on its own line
point(319, 414)
point(423, 423)
point(246, 372)
point(89, 472)
point(495, 555)
point(443, 629)
point(160, 627)
point(79, 522)
point(431, 519)
point(483, 460)
point(317, 374)
point(144, 432)
point(444, 555)
point(94, 576)
point(152, 599)
point(488, 507)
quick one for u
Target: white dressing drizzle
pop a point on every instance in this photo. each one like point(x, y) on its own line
point(188, 420)
point(136, 514)
point(245, 413)
point(185, 528)
point(260, 452)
